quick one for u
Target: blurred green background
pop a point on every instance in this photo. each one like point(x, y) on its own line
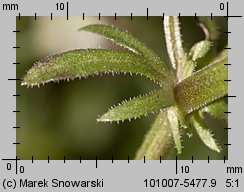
point(60, 119)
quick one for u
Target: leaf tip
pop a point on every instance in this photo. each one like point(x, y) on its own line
point(103, 119)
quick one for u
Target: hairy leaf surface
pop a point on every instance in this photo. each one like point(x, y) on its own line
point(140, 106)
point(127, 40)
point(204, 133)
point(123, 39)
point(200, 49)
point(172, 114)
point(174, 44)
point(181, 91)
point(158, 140)
point(188, 68)
point(83, 63)
point(203, 87)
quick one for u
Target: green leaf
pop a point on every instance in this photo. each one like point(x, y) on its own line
point(123, 39)
point(217, 109)
point(204, 133)
point(174, 44)
point(127, 40)
point(200, 49)
point(172, 114)
point(158, 140)
point(209, 27)
point(139, 106)
point(189, 67)
point(203, 87)
point(83, 63)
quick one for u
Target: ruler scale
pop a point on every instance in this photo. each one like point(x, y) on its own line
point(66, 174)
